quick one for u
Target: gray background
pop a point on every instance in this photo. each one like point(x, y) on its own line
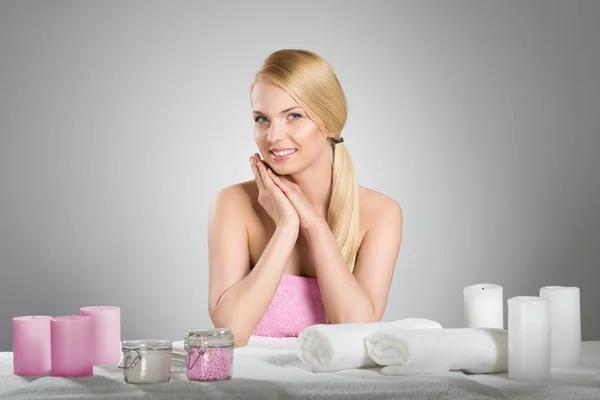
point(120, 120)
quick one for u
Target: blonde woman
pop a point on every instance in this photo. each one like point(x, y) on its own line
point(302, 243)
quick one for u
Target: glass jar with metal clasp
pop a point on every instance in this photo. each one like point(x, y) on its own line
point(146, 361)
point(209, 354)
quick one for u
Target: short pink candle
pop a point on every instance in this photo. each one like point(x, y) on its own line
point(106, 327)
point(31, 345)
point(72, 351)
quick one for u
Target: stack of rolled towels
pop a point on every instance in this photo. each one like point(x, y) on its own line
point(410, 346)
point(178, 356)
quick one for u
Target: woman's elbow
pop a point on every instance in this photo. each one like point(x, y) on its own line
point(240, 341)
point(240, 338)
point(352, 320)
point(355, 318)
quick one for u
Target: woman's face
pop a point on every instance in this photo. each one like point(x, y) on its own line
point(288, 140)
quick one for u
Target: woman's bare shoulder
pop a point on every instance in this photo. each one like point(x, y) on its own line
point(241, 196)
point(374, 205)
point(245, 190)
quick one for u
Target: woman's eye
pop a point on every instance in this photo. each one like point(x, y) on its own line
point(257, 119)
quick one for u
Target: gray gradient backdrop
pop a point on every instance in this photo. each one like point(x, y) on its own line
point(120, 120)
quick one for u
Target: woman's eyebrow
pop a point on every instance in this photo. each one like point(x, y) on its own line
point(281, 112)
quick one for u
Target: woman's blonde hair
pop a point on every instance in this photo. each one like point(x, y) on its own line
point(312, 83)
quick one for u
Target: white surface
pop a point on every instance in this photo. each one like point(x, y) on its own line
point(270, 369)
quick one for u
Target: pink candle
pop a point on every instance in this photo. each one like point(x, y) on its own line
point(106, 327)
point(31, 345)
point(72, 346)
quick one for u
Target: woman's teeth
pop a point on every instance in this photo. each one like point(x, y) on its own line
point(283, 153)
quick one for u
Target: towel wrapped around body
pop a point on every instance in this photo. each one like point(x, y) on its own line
point(335, 347)
point(428, 351)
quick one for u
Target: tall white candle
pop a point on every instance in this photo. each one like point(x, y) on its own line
point(483, 306)
point(528, 338)
point(565, 324)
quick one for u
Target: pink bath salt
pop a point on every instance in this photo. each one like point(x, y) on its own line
point(212, 365)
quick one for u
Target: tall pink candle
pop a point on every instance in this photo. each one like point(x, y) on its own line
point(106, 327)
point(72, 346)
point(31, 345)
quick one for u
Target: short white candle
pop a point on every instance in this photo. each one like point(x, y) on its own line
point(565, 324)
point(528, 338)
point(483, 306)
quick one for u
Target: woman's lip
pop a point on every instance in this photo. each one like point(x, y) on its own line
point(283, 158)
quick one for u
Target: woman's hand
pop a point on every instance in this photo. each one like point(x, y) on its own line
point(272, 198)
point(309, 217)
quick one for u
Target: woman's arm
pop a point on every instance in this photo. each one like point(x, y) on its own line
point(358, 296)
point(238, 296)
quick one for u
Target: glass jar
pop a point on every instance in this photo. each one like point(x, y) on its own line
point(209, 354)
point(146, 361)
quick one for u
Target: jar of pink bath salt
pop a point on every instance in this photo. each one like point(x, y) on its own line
point(209, 354)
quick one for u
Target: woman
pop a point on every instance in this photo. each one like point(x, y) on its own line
point(302, 243)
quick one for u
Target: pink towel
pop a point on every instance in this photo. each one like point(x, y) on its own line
point(296, 305)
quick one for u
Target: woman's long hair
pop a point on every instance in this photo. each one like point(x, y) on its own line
point(312, 83)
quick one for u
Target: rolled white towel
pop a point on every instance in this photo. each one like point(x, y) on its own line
point(178, 348)
point(335, 347)
point(178, 357)
point(428, 351)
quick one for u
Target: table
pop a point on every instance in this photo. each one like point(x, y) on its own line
point(268, 368)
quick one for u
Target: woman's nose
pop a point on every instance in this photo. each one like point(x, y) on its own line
point(276, 132)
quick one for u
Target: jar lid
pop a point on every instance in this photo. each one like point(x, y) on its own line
point(214, 332)
point(147, 344)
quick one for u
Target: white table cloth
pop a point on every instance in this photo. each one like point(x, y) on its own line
point(268, 368)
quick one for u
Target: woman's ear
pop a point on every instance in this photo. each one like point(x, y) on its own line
point(328, 135)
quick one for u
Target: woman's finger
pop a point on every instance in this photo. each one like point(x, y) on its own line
point(267, 181)
point(278, 181)
point(257, 175)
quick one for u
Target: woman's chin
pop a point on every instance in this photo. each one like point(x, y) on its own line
point(282, 168)
point(281, 171)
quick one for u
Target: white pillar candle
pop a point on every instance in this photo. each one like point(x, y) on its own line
point(528, 338)
point(565, 324)
point(483, 306)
